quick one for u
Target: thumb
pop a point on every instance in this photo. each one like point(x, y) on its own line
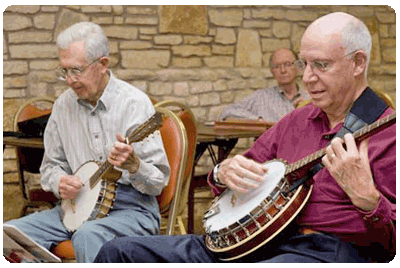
point(120, 138)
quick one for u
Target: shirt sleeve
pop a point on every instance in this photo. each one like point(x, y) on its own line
point(243, 109)
point(54, 163)
point(380, 225)
point(380, 222)
point(154, 171)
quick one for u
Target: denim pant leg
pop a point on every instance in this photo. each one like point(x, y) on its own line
point(43, 227)
point(90, 237)
point(154, 249)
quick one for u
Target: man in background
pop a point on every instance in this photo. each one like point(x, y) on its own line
point(273, 103)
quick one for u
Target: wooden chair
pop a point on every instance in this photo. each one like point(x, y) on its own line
point(176, 146)
point(189, 121)
point(31, 119)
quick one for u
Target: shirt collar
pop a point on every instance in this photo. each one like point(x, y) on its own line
point(282, 93)
point(317, 114)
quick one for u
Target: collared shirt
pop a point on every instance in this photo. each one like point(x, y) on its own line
point(329, 209)
point(270, 104)
point(77, 132)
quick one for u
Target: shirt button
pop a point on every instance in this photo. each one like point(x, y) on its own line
point(101, 158)
point(96, 136)
point(93, 113)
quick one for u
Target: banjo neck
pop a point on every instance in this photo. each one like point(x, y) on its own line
point(140, 133)
point(359, 135)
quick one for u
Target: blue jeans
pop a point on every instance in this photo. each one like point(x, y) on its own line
point(127, 218)
point(314, 248)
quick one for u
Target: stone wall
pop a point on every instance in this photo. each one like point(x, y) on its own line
point(205, 56)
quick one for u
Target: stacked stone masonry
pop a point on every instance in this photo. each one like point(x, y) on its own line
point(204, 56)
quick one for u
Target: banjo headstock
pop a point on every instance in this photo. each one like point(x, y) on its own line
point(148, 127)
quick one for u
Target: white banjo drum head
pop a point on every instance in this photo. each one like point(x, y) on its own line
point(86, 200)
point(231, 207)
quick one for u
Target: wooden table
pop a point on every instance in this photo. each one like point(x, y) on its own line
point(23, 142)
point(225, 140)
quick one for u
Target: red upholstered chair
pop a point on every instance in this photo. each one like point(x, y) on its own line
point(176, 146)
point(31, 119)
point(189, 120)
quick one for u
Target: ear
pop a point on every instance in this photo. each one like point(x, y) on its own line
point(360, 62)
point(104, 62)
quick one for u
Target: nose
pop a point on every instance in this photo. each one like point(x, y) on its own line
point(282, 68)
point(70, 79)
point(309, 75)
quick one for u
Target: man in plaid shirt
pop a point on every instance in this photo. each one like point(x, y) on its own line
point(273, 103)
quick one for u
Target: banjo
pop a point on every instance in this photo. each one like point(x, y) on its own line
point(237, 224)
point(99, 186)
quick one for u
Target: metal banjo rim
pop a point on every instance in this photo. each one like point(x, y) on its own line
point(262, 229)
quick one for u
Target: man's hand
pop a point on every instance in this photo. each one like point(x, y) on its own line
point(351, 170)
point(123, 156)
point(69, 187)
point(241, 174)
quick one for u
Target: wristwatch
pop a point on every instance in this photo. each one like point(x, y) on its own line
point(215, 176)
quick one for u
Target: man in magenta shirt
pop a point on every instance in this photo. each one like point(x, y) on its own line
point(350, 216)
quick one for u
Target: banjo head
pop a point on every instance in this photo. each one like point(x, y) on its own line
point(230, 208)
point(77, 211)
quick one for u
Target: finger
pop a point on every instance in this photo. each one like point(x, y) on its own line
point(326, 161)
point(75, 183)
point(337, 148)
point(330, 154)
point(351, 146)
point(249, 175)
point(364, 151)
point(72, 180)
point(120, 138)
point(236, 183)
point(253, 167)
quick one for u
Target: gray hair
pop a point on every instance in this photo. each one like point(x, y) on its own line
point(96, 43)
point(356, 36)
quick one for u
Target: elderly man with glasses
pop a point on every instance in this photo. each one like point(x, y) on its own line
point(273, 103)
point(350, 215)
point(88, 123)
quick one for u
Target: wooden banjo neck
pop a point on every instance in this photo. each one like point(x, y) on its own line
point(106, 170)
point(299, 168)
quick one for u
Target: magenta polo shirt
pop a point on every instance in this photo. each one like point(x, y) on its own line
point(329, 209)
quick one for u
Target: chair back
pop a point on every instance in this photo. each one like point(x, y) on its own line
point(31, 118)
point(175, 141)
point(189, 121)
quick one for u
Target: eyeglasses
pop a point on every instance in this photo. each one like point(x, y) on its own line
point(63, 73)
point(321, 66)
point(287, 64)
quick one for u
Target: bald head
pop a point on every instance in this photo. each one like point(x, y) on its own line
point(343, 31)
point(330, 24)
